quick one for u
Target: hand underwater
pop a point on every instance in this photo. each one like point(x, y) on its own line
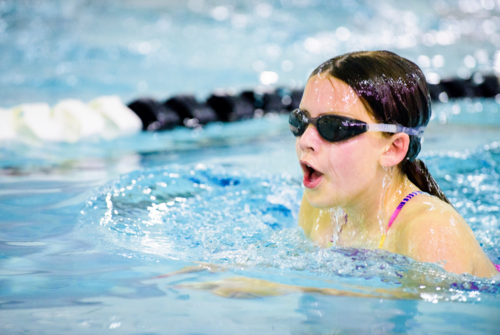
point(250, 288)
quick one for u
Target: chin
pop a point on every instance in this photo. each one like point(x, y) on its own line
point(318, 200)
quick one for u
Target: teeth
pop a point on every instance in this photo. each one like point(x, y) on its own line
point(308, 165)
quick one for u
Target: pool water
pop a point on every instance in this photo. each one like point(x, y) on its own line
point(83, 246)
point(108, 236)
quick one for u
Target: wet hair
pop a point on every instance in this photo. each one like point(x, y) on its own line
point(393, 90)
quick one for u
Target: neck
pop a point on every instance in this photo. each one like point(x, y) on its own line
point(369, 214)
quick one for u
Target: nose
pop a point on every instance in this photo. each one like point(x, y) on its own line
point(310, 140)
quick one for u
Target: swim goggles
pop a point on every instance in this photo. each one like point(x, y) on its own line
point(335, 128)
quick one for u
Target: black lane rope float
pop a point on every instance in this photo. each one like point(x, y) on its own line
point(187, 111)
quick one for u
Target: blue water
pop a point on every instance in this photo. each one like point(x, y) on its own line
point(87, 228)
point(82, 242)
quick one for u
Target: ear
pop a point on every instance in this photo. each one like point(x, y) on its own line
point(396, 150)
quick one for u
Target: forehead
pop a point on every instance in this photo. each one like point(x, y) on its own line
point(325, 94)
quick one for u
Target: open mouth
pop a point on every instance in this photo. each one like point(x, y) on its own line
point(311, 175)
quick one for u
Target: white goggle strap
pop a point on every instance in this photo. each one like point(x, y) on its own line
point(393, 128)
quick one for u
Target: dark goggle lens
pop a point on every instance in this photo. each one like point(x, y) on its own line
point(296, 121)
point(334, 129)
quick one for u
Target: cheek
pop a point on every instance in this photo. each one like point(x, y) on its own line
point(351, 164)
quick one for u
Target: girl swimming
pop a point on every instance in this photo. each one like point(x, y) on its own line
point(358, 133)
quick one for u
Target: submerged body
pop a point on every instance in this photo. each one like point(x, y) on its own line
point(354, 185)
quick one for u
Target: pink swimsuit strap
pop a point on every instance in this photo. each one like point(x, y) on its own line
point(395, 215)
point(400, 207)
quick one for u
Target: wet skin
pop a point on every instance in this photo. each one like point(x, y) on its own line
point(360, 175)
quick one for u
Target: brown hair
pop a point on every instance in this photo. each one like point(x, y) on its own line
point(396, 91)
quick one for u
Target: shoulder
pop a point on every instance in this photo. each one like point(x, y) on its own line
point(427, 212)
point(433, 231)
